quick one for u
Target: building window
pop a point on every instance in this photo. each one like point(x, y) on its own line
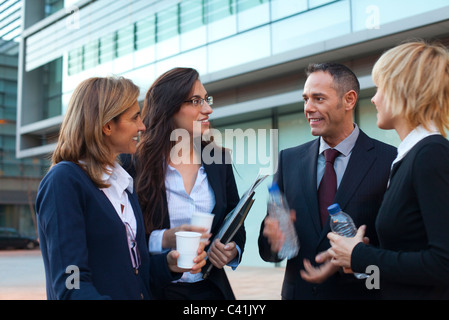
point(191, 15)
point(52, 89)
point(51, 6)
point(145, 33)
point(125, 41)
point(317, 3)
point(90, 56)
point(218, 9)
point(243, 5)
point(167, 24)
point(75, 61)
point(107, 47)
point(182, 18)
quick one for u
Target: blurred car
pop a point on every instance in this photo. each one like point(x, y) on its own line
point(10, 238)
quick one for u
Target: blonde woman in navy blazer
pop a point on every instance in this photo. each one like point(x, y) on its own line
point(413, 221)
point(90, 226)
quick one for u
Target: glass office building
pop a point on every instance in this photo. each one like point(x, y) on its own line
point(251, 55)
point(18, 177)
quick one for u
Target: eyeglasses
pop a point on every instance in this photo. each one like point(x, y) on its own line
point(200, 102)
point(132, 245)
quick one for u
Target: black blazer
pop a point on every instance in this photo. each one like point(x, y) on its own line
point(413, 226)
point(360, 194)
point(221, 178)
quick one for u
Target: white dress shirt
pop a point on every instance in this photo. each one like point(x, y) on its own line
point(341, 162)
point(181, 207)
point(120, 181)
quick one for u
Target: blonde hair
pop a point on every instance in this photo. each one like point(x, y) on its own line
point(94, 103)
point(414, 79)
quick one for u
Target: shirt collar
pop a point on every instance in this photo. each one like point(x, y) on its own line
point(345, 146)
point(118, 178)
point(415, 136)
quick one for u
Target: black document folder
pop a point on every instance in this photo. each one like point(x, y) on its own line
point(235, 219)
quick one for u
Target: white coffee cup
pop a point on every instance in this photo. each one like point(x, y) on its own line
point(187, 244)
point(203, 220)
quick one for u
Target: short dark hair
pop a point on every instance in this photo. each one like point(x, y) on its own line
point(344, 79)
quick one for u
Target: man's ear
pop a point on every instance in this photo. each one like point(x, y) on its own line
point(350, 100)
point(107, 129)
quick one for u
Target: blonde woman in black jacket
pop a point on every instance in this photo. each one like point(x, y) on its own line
point(413, 221)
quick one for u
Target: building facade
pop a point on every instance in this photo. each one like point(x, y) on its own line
point(251, 55)
point(18, 177)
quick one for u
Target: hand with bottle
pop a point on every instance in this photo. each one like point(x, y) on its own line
point(341, 247)
point(279, 225)
point(273, 232)
point(343, 238)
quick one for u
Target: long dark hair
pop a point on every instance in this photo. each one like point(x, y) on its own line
point(162, 101)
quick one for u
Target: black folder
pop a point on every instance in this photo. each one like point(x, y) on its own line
point(235, 219)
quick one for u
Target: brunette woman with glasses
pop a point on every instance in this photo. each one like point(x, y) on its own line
point(90, 224)
point(177, 173)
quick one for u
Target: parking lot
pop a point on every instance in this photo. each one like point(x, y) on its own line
point(22, 277)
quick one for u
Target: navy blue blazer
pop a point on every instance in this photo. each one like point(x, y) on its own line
point(78, 226)
point(360, 195)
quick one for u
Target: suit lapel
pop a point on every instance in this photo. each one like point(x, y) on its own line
point(136, 210)
point(358, 166)
point(393, 171)
point(308, 165)
point(216, 182)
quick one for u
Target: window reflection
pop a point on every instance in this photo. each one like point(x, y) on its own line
point(191, 15)
point(284, 8)
point(252, 13)
point(223, 25)
point(317, 3)
point(218, 9)
point(368, 14)
point(52, 89)
point(242, 48)
point(145, 32)
point(125, 41)
point(334, 22)
point(167, 23)
point(107, 48)
point(192, 24)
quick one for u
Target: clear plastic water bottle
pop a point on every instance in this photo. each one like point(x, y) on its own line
point(342, 224)
point(279, 210)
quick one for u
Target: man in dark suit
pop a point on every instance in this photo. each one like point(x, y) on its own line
point(361, 167)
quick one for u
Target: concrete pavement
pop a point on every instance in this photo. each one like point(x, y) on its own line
point(251, 283)
point(22, 277)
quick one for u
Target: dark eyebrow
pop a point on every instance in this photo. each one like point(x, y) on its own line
point(199, 97)
point(315, 94)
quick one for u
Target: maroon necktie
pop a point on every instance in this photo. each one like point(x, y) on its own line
point(328, 185)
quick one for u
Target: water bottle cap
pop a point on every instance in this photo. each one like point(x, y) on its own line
point(274, 187)
point(334, 208)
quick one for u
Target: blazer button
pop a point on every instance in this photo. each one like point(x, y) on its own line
point(141, 296)
point(136, 271)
